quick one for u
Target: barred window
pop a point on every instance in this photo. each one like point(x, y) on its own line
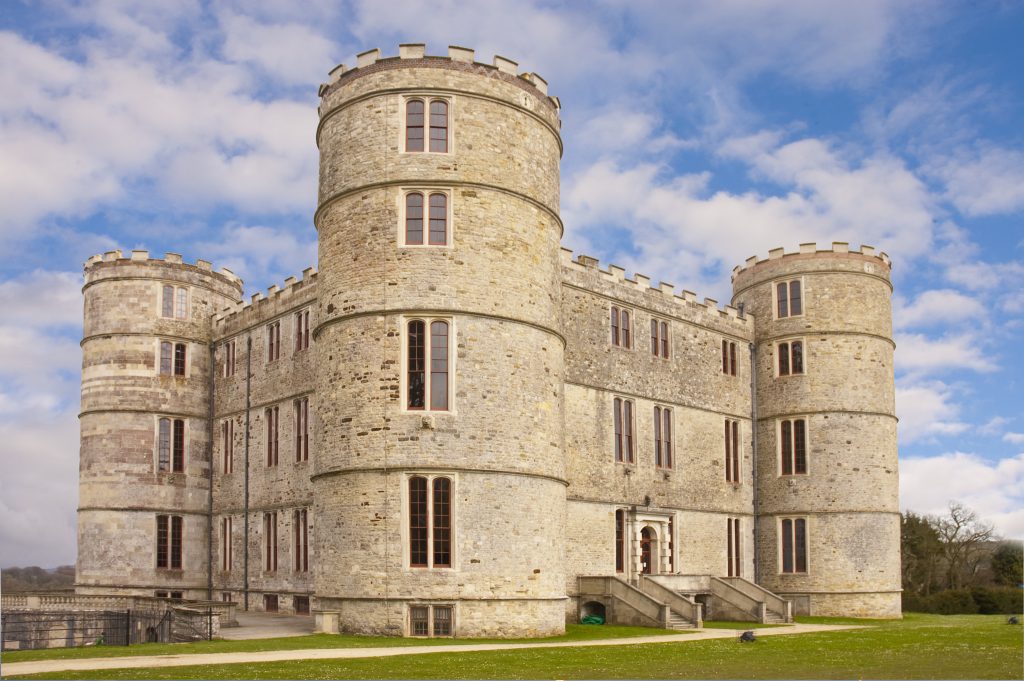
point(431, 620)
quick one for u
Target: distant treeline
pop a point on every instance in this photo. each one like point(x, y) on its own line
point(955, 564)
point(37, 579)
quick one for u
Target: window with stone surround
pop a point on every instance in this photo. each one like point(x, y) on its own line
point(273, 419)
point(301, 407)
point(622, 333)
point(728, 358)
point(174, 302)
point(623, 425)
point(430, 115)
point(788, 298)
point(270, 541)
point(662, 437)
point(301, 330)
point(227, 433)
point(430, 620)
point(793, 545)
point(170, 456)
point(791, 358)
point(226, 549)
point(229, 358)
point(659, 338)
point(430, 521)
point(427, 365)
point(732, 451)
point(620, 540)
point(733, 539)
point(273, 341)
point(793, 447)
point(425, 217)
point(300, 540)
point(173, 358)
point(169, 531)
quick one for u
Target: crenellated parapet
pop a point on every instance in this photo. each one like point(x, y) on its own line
point(459, 59)
point(260, 307)
point(840, 251)
point(686, 301)
point(102, 261)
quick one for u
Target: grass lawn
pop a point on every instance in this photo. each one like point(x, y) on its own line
point(573, 632)
point(920, 646)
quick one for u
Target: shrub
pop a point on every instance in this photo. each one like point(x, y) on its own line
point(914, 602)
point(953, 602)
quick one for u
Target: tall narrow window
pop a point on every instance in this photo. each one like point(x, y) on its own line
point(615, 326)
point(728, 358)
point(163, 458)
point(171, 445)
point(300, 543)
point(794, 545)
point(270, 541)
point(181, 304)
point(791, 358)
point(797, 362)
point(626, 333)
point(659, 338)
point(442, 539)
point(789, 299)
point(414, 125)
point(227, 431)
point(622, 335)
point(732, 451)
point(169, 539)
point(793, 446)
point(620, 540)
point(419, 356)
point(301, 330)
point(732, 359)
point(623, 422)
point(414, 219)
point(166, 358)
point(302, 429)
point(272, 414)
point(178, 449)
point(664, 340)
point(733, 546)
point(167, 301)
point(671, 544)
point(439, 126)
point(725, 356)
point(226, 556)
point(418, 529)
point(655, 344)
point(438, 219)
point(229, 358)
point(179, 359)
point(662, 437)
point(273, 341)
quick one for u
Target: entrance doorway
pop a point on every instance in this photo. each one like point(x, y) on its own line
point(648, 545)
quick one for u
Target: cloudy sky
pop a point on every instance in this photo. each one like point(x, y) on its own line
point(697, 133)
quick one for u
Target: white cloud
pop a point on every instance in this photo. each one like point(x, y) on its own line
point(983, 276)
point(926, 410)
point(995, 489)
point(937, 307)
point(263, 255)
point(289, 52)
point(919, 354)
point(986, 182)
point(42, 298)
point(994, 425)
point(1014, 438)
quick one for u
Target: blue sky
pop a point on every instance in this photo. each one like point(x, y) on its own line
point(696, 134)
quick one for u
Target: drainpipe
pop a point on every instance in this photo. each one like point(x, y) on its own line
point(753, 455)
point(209, 496)
point(245, 502)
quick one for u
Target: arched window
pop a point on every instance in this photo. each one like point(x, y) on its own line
point(414, 219)
point(430, 522)
point(164, 445)
point(793, 446)
point(789, 299)
point(623, 424)
point(420, 355)
point(414, 125)
point(439, 125)
point(438, 219)
point(181, 305)
point(615, 326)
point(663, 437)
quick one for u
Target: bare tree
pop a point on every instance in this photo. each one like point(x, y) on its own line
point(963, 537)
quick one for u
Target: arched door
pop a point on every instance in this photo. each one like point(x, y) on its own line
point(648, 553)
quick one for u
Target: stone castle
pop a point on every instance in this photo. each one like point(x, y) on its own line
point(454, 427)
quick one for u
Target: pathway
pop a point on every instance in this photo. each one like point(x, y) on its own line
point(44, 666)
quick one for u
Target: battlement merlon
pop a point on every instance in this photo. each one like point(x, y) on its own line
point(116, 258)
point(413, 52)
point(642, 283)
point(258, 300)
point(839, 249)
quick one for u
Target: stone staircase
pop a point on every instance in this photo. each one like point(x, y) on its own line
point(678, 622)
point(730, 598)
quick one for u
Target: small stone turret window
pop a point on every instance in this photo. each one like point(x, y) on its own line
point(788, 299)
point(437, 218)
point(172, 358)
point(171, 445)
point(430, 522)
point(793, 545)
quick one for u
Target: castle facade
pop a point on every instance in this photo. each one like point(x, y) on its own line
point(453, 422)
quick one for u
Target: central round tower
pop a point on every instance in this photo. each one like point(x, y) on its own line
point(440, 484)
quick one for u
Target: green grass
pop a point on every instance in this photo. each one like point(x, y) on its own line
point(573, 632)
point(920, 646)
